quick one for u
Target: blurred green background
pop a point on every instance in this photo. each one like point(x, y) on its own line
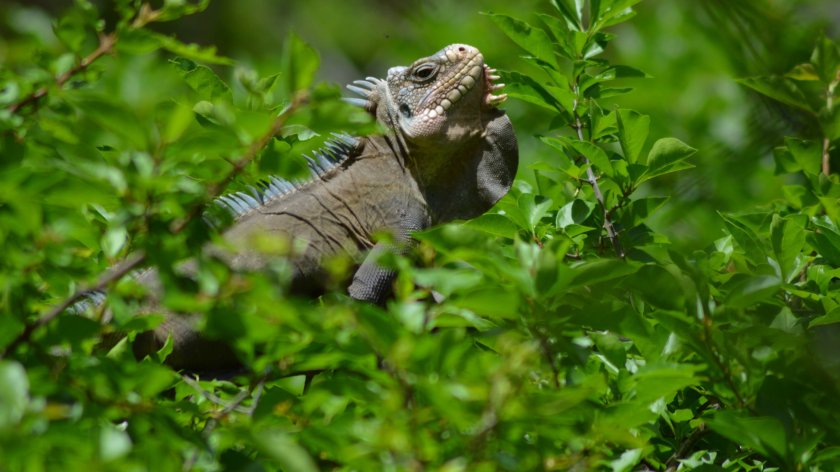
point(694, 51)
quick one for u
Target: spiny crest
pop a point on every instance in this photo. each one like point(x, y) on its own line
point(92, 299)
point(334, 153)
point(369, 89)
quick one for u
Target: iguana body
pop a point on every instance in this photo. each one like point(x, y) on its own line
point(447, 153)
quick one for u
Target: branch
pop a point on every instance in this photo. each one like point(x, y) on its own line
point(685, 447)
point(300, 98)
point(724, 370)
point(234, 405)
point(593, 181)
point(136, 259)
point(826, 168)
point(113, 274)
point(106, 45)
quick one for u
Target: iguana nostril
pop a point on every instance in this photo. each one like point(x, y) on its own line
point(462, 49)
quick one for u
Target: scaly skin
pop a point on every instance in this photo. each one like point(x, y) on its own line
point(448, 153)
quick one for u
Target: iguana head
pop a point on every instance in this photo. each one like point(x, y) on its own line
point(436, 99)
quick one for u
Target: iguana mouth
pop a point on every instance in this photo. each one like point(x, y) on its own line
point(490, 87)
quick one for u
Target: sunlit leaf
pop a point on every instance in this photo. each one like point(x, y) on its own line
point(764, 434)
point(14, 394)
point(779, 88)
point(667, 155)
point(534, 40)
point(752, 290)
point(632, 133)
point(300, 62)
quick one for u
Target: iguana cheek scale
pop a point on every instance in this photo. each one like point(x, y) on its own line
point(446, 153)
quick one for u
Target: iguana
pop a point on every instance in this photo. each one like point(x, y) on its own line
point(447, 152)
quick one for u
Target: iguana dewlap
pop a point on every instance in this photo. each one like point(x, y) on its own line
point(447, 153)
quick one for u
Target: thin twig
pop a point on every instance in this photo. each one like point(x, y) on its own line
point(707, 338)
point(826, 165)
point(113, 274)
point(106, 45)
point(593, 181)
point(829, 105)
point(685, 447)
point(227, 407)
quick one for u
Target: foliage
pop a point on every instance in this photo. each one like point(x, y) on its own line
point(559, 331)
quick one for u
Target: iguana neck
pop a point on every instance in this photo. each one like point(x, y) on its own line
point(463, 181)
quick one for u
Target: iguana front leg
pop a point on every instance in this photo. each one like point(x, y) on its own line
point(372, 282)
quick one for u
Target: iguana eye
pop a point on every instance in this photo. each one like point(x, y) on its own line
point(424, 71)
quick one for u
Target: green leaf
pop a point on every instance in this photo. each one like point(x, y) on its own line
point(667, 155)
point(798, 196)
point(574, 212)
point(490, 302)
point(611, 346)
point(662, 380)
point(746, 238)
point(640, 210)
point(566, 164)
point(114, 240)
point(633, 130)
point(830, 123)
point(11, 150)
point(594, 154)
point(10, 328)
point(114, 117)
point(534, 207)
point(787, 236)
point(765, 435)
point(658, 287)
point(785, 162)
point(827, 243)
point(562, 34)
point(300, 63)
point(448, 281)
point(534, 40)
point(202, 80)
point(527, 89)
point(612, 73)
point(826, 59)
point(283, 450)
point(806, 153)
point(113, 443)
point(175, 9)
point(779, 88)
point(173, 119)
point(831, 317)
point(804, 72)
point(598, 271)
point(572, 11)
point(627, 461)
point(74, 29)
point(190, 51)
point(610, 12)
point(495, 224)
point(752, 290)
point(619, 12)
point(14, 394)
point(138, 41)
